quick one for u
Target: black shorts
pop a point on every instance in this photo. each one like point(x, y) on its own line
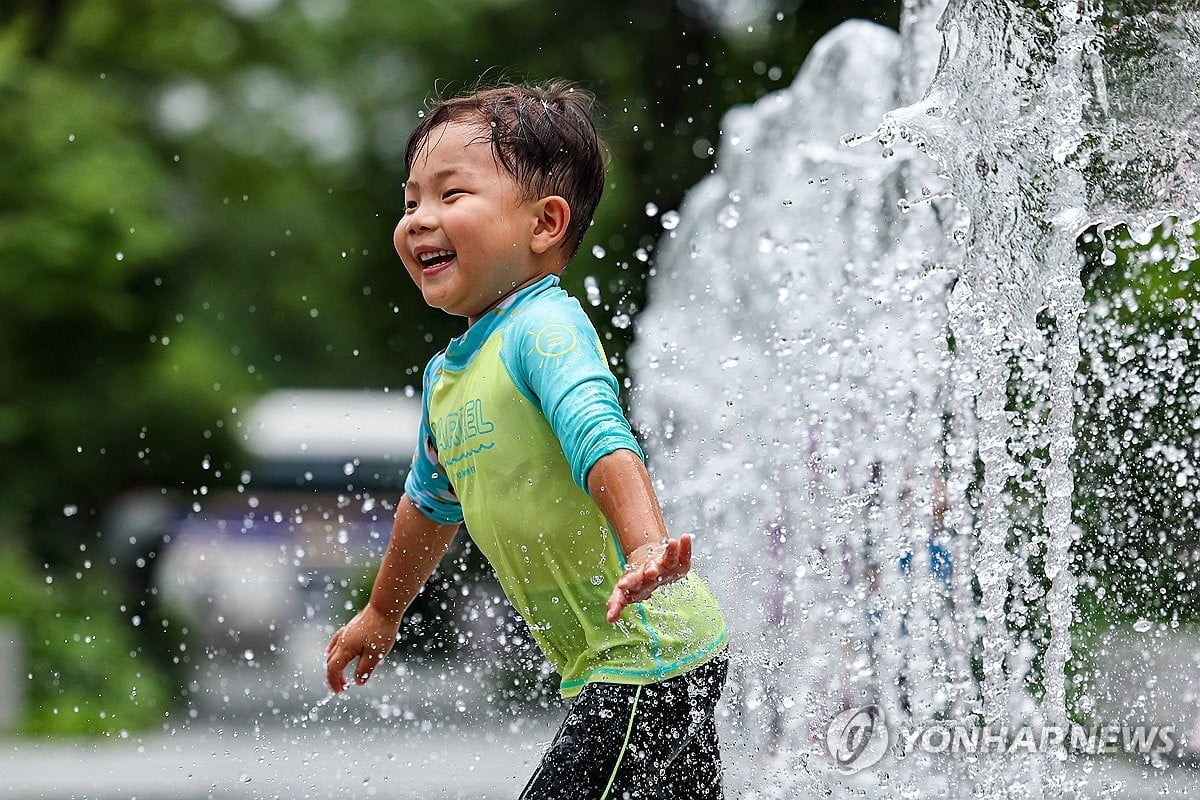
point(653, 742)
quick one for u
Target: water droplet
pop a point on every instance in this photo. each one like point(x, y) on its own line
point(70, 510)
point(598, 251)
point(670, 220)
point(1143, 625)
point(651, 209)
point(592, 289)
point(728, 217)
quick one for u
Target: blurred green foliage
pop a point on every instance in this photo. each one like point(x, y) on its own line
point(1139, 430)
point(1135, 484)
point(198, 200)
point(196, 205)
point(87, 670)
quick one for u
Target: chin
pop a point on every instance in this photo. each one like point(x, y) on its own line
point(446, 307)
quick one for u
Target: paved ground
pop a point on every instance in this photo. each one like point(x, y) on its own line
point(429, 739)
point(373, 759)
point(1121, 780)
point(315, 762)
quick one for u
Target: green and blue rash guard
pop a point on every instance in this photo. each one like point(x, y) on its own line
point(516, 412)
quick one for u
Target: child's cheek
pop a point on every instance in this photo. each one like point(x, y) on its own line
point(398, 238)
point(414, 273)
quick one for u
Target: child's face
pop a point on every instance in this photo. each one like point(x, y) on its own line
point(466, 233)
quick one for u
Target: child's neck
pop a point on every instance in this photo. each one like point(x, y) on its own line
point(524, 284)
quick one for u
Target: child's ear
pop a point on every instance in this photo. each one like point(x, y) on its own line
point(551, 224)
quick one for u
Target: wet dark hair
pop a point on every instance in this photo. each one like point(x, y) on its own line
point(541, 134)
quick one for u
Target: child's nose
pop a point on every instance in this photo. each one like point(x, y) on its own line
point(421, 219)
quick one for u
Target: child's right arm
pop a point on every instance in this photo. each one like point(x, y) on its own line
point(417, 545)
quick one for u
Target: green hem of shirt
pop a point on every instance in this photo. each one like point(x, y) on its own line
point(642, 676)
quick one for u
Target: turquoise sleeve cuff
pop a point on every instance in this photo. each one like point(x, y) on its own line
point(428, 485)
point(436, 509)
point(592, 426)
point(598, 450)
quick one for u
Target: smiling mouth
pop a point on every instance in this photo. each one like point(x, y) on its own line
point(435, 258)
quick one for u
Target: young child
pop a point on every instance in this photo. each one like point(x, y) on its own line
point(522, 438)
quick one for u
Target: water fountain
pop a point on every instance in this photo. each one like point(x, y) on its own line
point(828, 355)
point(823, 377)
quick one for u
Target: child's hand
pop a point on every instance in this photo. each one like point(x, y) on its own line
point(368, 637)
point(647, 568)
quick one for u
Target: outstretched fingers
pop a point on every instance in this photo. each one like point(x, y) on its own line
point(668, 562)
point(341, 651)
point(683, 562)
point(629, 589)
point(368, 658)
point(671, 564)
point(617, 601)
point(366, 664)
point(337, 657)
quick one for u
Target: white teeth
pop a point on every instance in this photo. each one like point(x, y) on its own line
point(434, 255)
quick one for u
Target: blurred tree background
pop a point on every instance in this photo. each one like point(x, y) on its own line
point(196, 206)
point(198, 198)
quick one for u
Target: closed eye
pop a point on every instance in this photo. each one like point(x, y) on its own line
point(449, 193)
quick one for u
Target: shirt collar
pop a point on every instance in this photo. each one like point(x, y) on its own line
point(463, 347)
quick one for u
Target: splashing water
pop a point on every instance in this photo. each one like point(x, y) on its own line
point(1093, 122)
point(827, 360)
point(314, 710)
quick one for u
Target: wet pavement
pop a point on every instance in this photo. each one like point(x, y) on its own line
point(314, 762)
point(430, 733)
point(377, 758)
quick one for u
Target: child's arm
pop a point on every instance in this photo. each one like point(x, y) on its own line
point(417, 545)
point(621, 487)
